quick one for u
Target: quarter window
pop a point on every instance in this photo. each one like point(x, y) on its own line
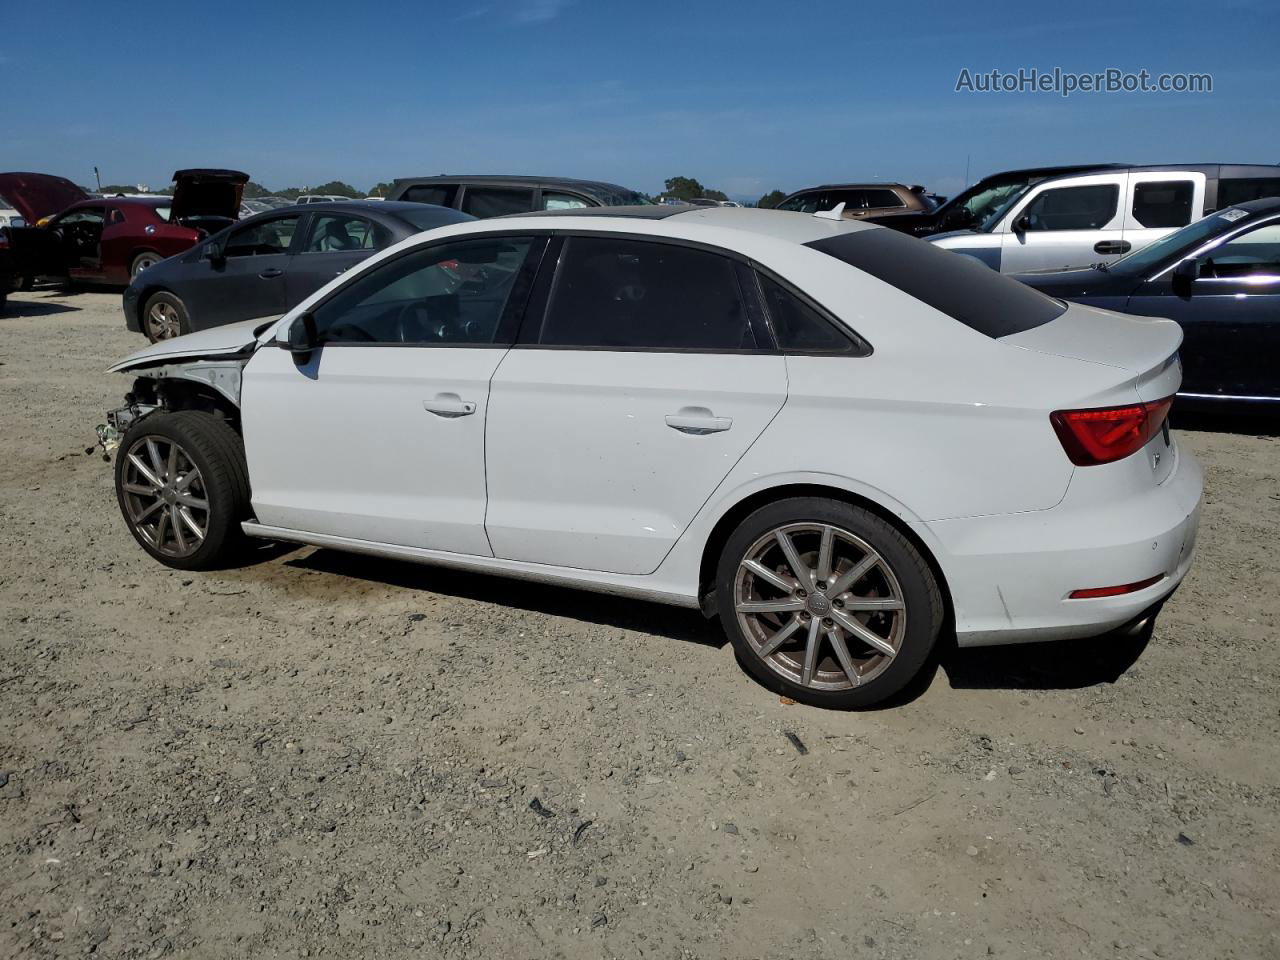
point(624, 294)
point(331, 233)
point(1232, 192)
point(1163, 203)
point(451, 293)
point(1073, 208)
point(562, 201)
point(798, 327)
point(262, 239)
point(496, 201)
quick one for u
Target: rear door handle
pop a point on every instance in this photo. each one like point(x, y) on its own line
point(449, 406)
point(271, 273)
point(1112, 246)
point(698, 421)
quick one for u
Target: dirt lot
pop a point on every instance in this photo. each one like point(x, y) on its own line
point(320, 755)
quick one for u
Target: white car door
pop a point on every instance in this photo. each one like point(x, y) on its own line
point(378, 435)
point(1065, 223)
point(639, 388)
point(1159, 202)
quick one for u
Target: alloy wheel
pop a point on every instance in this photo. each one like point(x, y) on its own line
point(163, 322)
point(820, 606)
point(165, 496)
point(141, 264)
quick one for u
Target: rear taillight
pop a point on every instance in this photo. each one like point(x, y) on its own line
point(1108, 434)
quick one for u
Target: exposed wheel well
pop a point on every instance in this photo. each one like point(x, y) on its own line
point(740, 511)
point(174, 394)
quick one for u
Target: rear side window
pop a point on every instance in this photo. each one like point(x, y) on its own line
point(955, 284)
point(1073, 208)
point(621, 294)
point(798, 327)
point(1163, 203)
point(1231, 192)
point(496, 201)
point(883, 198)
point(441, 194)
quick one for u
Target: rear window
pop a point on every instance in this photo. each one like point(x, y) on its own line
point(955, 284)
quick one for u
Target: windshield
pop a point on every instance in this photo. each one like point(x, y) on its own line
point(984, 199)
point(1173, 244)
point(1001, 199)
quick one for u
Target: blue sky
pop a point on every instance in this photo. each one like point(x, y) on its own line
point(745, 96)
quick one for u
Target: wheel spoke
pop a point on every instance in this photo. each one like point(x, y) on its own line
point(785, 605)
point(770, 646)
point(867, 636)
point(187, 500)
point(824, 553)
point(811, 651)
point(147, 491)
point(157, 462)
point(175, 521)
point(185, 480)
point(798, 569)
point(768, 576)
point(872, 603)
point(152, 508)
point(190, 521)
point(854, 574)
point(842, 654)
point(143, 469)
point(162, 527)
point(171, 468)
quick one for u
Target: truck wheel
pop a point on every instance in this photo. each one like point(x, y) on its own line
point(183, 488)
point(164, 317)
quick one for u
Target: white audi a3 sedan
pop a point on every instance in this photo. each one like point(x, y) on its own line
point(839, 439)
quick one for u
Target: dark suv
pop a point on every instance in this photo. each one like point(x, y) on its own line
point(493, 196)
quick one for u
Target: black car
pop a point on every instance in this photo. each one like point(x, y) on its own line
point(494, 196)
point(1219, 278)
point(263, 266)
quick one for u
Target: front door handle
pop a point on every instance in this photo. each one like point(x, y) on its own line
point(698, 421)
point(271, 273)
point(1112, 246)
point(449, 406)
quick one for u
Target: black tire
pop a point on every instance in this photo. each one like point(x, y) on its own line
point(151, 325)
point(147, 258)
point(26, 284)
point(921, 601)
point(217, 452)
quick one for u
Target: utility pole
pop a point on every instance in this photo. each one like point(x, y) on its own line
point(966, 168)
point(97, 176)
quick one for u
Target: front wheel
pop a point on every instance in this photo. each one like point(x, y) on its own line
point(183, 487)
point(827, 603)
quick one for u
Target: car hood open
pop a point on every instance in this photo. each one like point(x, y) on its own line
point(202, 194)
point(39, 195)
point(232, 339)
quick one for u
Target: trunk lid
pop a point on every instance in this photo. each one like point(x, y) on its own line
point(207, 197)
point(39, 195)
point(1146, 348)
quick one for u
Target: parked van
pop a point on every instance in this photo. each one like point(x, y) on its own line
point(1096, 215)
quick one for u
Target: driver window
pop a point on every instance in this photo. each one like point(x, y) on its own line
point(1256, 253)
point(262, 239)
point(451, 293)
point(1073, 208)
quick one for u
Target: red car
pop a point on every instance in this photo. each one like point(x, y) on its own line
point(113, 239)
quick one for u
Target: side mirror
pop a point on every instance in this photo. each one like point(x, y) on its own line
point(214, 253)
point(1183, 278)
point(1022, 224)
point(301, 338)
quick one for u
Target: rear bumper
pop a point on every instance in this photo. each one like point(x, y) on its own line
point(1010, 576)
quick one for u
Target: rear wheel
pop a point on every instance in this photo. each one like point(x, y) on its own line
point(148, 258)
point(164, 317)
point(183, 488)
point(827, 603)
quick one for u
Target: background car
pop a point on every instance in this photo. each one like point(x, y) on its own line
point(860, 199)
point(835, 436)
point(320, 198)
point(1219, 278)
point(11, 218)
point(495, 196)
point(113, 239)
point(1096, 216)
point(264, 265)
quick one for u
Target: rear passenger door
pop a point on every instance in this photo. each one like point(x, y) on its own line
point(1158, 203)
point(486, 201)
point(334, 243)
point(629, 397)
point(1065, 223)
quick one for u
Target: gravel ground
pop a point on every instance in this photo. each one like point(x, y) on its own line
point(322, 755)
